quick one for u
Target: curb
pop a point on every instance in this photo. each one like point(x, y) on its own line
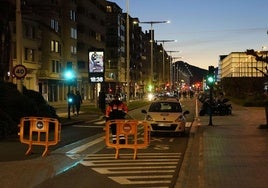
point(184, 171)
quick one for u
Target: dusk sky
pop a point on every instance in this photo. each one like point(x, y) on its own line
point(204, 29)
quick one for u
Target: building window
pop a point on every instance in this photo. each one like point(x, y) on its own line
point(73, 50)
point(56, 66)
point(81, 65)
point(29, 54)
point(109, 9)
point(73, 33)
point(54, 24)
point(73, 15)
point(98, 36)
point(54, 46)
point(29, 31)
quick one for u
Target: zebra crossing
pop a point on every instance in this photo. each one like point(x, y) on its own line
point(149, 169)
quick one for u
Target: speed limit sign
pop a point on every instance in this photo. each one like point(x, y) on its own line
point(20, 71)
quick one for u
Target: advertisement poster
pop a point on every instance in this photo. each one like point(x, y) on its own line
point(96, 66)
point(96, 61)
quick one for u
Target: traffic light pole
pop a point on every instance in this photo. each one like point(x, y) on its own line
point(69, 105)
point(210, 105)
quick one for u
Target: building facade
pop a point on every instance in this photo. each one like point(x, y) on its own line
point(240, 64)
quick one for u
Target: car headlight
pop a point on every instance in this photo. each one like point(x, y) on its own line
point(150, 96)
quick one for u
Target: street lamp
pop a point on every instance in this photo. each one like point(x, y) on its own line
point(152, 43)
point(163, 42)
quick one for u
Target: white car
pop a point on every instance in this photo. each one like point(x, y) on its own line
point(166, 116)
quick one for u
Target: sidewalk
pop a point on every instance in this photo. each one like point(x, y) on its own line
point(232, 153)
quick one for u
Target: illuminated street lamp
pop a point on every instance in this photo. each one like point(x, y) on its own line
point(152, 43)
point(163, 42)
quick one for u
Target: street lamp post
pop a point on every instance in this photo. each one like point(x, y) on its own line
point(170, 71)
point(173, 71)
point(163, 42)
point(19, 40)
point(127, 57)
point(151, 78)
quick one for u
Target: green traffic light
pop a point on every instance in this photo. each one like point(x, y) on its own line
point(69, 75)
point(210, 79)
point(150, 88)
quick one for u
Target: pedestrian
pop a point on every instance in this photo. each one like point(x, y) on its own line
point(78, 102)
point(71, 101)
point(116, 109)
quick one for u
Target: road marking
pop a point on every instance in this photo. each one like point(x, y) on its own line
point(100, 122)
point(113, 163)
point(188, 124)
point(85, 146)
point(125, 179)
point(119, 170)
point(147, 169)
point(88, 126)
point(161, 147)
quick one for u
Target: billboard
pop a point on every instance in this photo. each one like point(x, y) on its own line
point(96, 66)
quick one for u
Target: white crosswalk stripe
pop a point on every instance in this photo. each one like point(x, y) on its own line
point(149, 169)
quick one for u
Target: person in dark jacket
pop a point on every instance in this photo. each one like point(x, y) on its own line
point(116, 110)
point(78, 102)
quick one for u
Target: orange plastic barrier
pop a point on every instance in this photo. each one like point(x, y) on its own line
point(136, 133)
point(39, 131)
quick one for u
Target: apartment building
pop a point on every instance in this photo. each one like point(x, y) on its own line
point(56, 35)
point(239, 64)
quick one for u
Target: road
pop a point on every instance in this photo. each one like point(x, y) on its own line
point(156, 166)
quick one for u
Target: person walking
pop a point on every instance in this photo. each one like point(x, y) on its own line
point(78, 102)
point(116, 110)
point(71, 101)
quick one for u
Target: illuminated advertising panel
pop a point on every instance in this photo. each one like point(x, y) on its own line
point(96, 66)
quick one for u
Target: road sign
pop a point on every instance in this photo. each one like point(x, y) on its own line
point(20, 71)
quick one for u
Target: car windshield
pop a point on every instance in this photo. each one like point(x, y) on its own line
point(165, 107)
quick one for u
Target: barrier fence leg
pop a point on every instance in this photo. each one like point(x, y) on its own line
point(29, 151)
point(45, 152)
point(135, 154)
point(117, 153)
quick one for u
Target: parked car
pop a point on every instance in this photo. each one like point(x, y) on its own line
point(166, 116)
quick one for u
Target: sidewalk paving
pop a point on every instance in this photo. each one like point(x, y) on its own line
point(232, 153)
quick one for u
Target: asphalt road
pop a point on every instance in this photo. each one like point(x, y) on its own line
point(156, 166)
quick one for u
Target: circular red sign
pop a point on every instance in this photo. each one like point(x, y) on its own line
point(20, 71)
point(127, 127)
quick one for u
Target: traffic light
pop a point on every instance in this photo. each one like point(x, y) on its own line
point(150, 88)
point(211, 76)
point(69, 76)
